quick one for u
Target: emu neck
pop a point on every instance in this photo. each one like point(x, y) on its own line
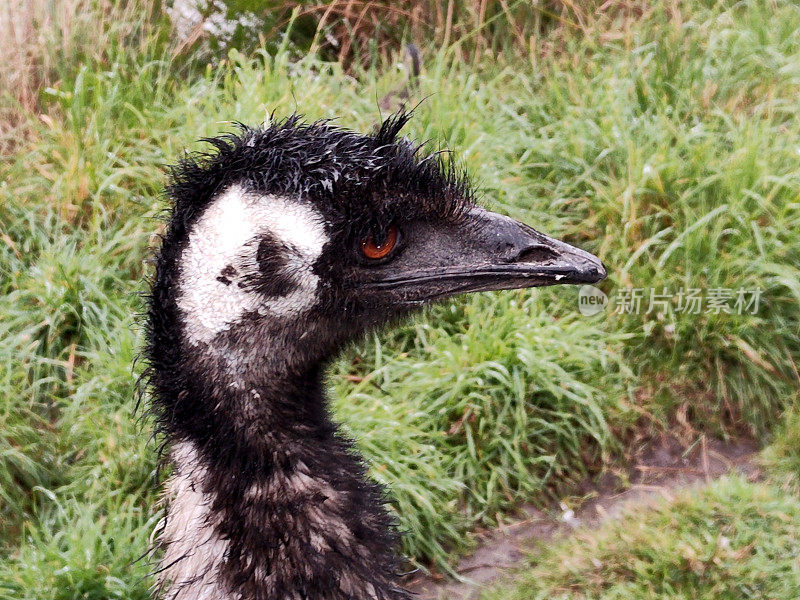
point(267, 500)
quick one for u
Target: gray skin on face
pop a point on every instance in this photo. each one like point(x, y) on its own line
point(260, 281)
point(484, 251)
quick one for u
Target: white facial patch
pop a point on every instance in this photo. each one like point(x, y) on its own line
point(227, 235)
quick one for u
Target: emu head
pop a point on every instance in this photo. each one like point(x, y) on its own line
point(290, 240)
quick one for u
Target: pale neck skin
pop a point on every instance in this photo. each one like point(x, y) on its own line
point(282, 509)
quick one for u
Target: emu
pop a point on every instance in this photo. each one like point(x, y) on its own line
point(284, 243)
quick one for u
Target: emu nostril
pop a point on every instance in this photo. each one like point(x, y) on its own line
point(536, 254)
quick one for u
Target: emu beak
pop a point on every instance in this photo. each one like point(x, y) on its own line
point(484, 251)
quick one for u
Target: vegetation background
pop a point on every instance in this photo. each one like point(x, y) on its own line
point(661, 135)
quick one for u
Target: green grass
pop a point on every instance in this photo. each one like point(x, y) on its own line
point(668, 145)
point(729, 541)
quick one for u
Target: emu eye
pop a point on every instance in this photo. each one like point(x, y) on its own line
point(376, 251)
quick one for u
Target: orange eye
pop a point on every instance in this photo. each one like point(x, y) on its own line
point(375, 251)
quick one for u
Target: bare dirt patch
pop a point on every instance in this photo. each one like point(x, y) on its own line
point(660, 469)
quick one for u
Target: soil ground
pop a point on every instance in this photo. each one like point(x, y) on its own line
point(659, 470)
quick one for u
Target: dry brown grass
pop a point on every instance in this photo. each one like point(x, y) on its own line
point(46, 39)
point(470, 27)
point(37, 32)
point(50, 39)
point(355, 31)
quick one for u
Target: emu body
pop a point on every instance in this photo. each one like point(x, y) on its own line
point(283, 245)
